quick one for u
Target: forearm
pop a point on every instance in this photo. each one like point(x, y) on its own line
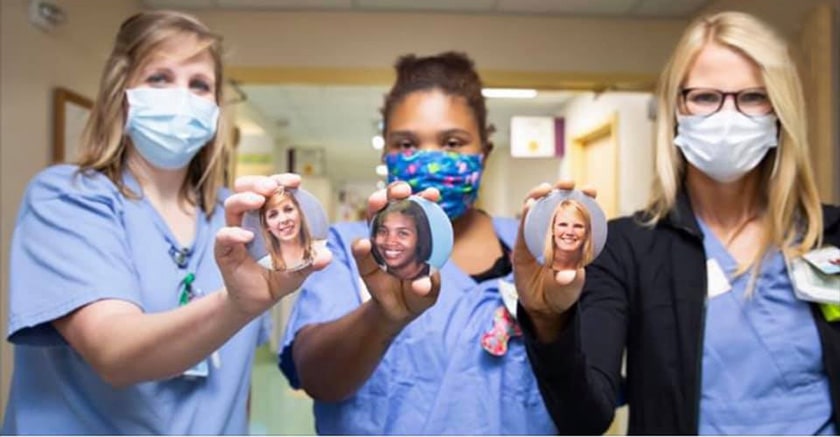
point(127, 346)
point(579, 397)
point(335, 359)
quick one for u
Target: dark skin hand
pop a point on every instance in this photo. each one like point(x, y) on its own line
point(401, 300)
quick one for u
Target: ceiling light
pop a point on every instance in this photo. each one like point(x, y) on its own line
point(509, 93)
point(377, 142)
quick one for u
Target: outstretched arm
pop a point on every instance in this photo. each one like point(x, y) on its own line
point(334, 359)
point(126, 346)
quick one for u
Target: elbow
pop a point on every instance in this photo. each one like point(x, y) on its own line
point(114, 375)
point(117, 373)
point(117, 380)
point(327, 392)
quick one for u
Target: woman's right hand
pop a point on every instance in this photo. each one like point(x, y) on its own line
point(251, 287)
point(544, 293)
point(399, 300)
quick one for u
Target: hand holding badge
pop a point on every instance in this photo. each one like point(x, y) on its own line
point(410, 239)
point(561, 231)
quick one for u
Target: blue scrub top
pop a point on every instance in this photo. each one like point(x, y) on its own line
point(435, 378)
point(763, 370)
point(78, 240)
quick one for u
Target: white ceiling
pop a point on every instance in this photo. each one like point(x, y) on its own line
point(343, 119)
point(613, 8)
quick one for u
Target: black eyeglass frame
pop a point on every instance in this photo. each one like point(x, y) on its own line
point(684, 96)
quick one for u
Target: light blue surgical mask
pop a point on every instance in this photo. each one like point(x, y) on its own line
point(169, 126)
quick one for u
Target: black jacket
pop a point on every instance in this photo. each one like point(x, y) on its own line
point(646, 292)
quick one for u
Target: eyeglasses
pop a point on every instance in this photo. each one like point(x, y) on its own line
point(706, 101)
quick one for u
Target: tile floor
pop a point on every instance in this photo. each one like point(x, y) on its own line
point(276, 409)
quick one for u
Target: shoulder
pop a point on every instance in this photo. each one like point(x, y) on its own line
point(506, 229)
point(634, 235)
point(68, 183)
point(831, 220)
point(342, 234)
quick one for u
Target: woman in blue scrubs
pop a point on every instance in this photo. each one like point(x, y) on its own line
point(697, 287)
point(122, 320)
point(382, 355)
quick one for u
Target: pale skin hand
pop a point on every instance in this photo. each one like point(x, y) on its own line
point(250, 286)
point(126, 346)
point(546, 295)
point(399, 300)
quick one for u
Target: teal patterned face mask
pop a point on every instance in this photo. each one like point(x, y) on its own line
point(456, 175)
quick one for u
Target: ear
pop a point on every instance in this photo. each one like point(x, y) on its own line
point(488, 149)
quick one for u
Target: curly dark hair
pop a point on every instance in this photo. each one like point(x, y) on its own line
point(452, 73)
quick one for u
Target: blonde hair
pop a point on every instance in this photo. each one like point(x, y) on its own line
point(272, 243)
point(791, 204)
point(587, 249)
point(103, 142)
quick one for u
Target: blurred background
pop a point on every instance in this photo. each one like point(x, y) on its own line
point(569, 86)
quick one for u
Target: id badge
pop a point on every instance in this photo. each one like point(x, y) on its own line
point(811, 284)
point(509, 296)
point(825, 259)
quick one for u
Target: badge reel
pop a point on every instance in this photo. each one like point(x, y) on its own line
point(289, 230)
point(411, 238)
point(565, 230)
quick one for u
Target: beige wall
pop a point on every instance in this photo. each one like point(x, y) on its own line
point(31, 64)
point(635, 140)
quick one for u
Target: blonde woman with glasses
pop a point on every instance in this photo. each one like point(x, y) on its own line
point(696, 288)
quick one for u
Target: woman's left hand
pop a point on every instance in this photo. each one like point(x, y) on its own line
point(544, 293)
point(251, 287)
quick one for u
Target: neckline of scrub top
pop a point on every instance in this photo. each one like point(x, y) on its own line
point(728, 263)
point(199, 244)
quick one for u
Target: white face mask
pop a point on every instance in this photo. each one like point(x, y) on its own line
point(727, 144)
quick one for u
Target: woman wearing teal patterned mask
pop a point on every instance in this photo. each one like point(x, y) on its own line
point(436, 355)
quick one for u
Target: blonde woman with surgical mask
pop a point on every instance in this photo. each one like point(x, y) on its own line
point(123, 321)
point(696, 287)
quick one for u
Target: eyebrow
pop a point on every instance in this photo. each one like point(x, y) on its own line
point(444, 133)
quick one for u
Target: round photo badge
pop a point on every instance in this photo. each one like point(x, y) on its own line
point(565, 230)
point(411, 238)
point(289, 230)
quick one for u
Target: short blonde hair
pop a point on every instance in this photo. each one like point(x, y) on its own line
point(577, 207)
point(103, 143)
point(792, 205)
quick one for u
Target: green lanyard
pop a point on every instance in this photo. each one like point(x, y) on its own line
point(186, 294)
